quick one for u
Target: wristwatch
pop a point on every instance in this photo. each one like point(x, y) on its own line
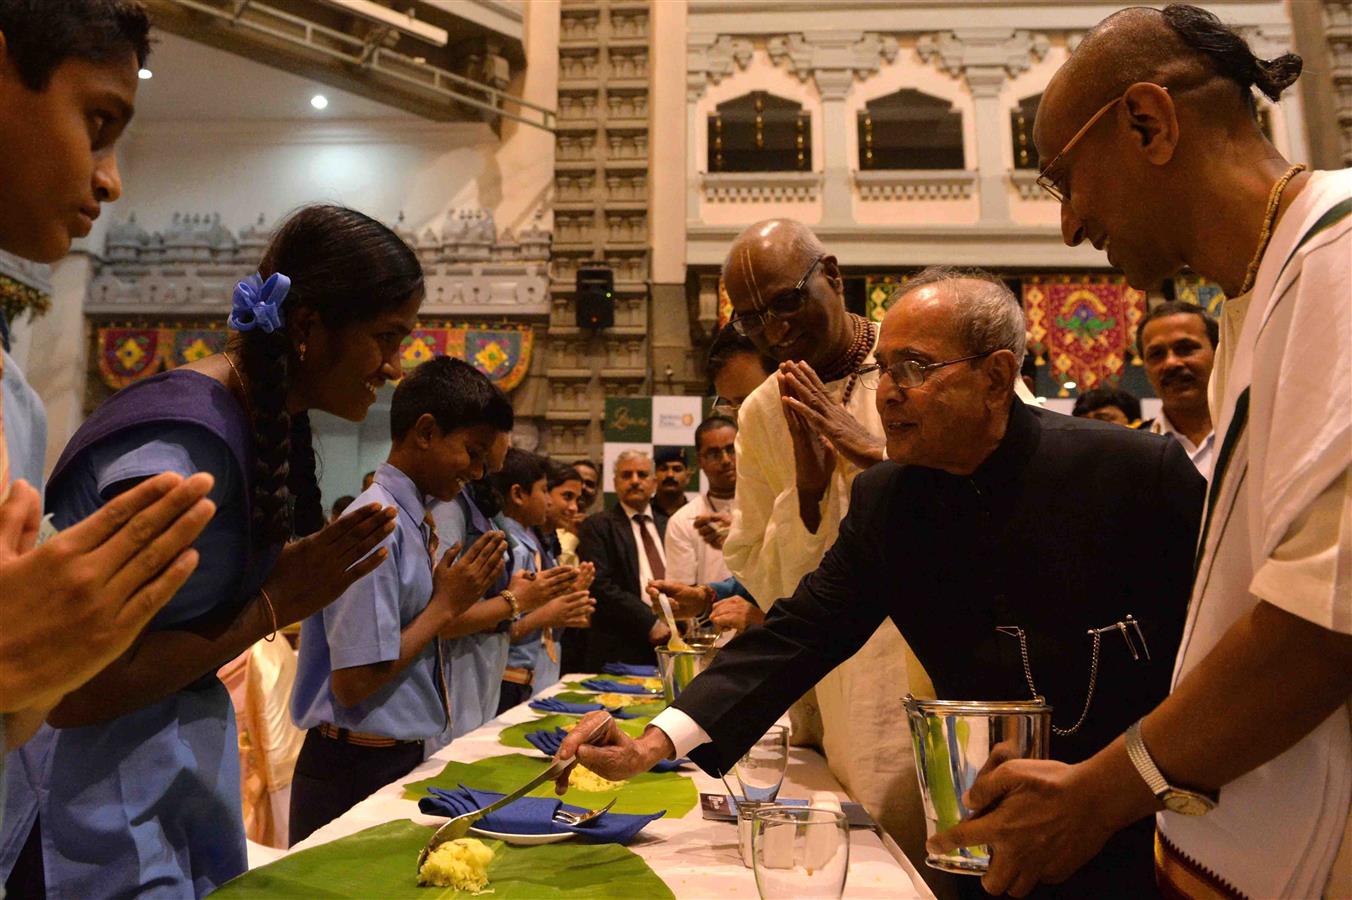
point(1179, 800)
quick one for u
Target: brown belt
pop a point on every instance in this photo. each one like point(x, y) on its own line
point(357, 738)
point(1180, 878)
point(517, 675)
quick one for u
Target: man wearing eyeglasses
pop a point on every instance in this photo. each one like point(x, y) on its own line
point(793, 489)
point(1246, 768)
point(994, 526)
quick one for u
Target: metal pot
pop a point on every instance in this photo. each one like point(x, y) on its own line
point(679, 667)
point(953, 740)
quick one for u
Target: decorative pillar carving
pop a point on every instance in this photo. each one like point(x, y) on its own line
point(709, 58)
point(834, 59)
point(1338, 35)
point(986, 57)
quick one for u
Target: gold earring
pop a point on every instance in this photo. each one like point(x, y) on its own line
point(302, 351)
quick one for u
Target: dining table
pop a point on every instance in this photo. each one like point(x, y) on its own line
point(694, 856)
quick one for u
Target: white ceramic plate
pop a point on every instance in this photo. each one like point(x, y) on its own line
point(523, 840)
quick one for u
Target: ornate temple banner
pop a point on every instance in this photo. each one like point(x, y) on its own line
point(878, 293)
point(502, 352)
point(1196, 289)
point(724, 305)
point(1083, 327)
point(128, 354)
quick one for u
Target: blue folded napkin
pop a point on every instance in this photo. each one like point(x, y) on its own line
point(549, 704)
point(547, 742)
point(533, 815)
point(606, 686)
point(630, 669)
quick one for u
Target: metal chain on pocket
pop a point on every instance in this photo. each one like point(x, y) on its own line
point(1028, 674)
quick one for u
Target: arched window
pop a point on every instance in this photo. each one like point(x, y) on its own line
point(910, 130)
point(759, 132)
point(1021, 128)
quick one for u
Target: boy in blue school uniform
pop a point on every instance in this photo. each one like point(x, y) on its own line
point(533, 659)
point(372, 684)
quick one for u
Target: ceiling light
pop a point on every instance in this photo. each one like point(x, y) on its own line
point(145, 74)
point(1070, 385)
point(319, 101)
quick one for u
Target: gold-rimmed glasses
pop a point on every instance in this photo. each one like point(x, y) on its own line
point(1048, 179)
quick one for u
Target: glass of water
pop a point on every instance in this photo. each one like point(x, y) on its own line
point(761, 770)
point(800, 852)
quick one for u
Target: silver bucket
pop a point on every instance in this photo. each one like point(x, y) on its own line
point(953, 740)
point(679, 667)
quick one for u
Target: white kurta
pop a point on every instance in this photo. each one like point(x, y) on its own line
point(690, 559)
point(1278, 528)
point(864, 730)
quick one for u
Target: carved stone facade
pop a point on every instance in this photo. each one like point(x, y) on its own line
point(1338, 33)
point(190, 267)
point(600, 215)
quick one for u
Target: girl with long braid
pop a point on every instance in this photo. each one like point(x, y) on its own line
point(143, 787)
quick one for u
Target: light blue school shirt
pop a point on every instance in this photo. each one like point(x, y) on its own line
point(148, 804)
point(25, 426)
point(365, 625)
point(477, 660)
point(529, 651)
point(26, 441)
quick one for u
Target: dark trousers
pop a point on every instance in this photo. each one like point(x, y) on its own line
point(512, 694)
point(333, 776)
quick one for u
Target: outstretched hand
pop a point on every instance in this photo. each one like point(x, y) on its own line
point(102, 580)
point(611, 753)
point(460, 579)
point(314, 571)
point(804, 394)
point(1042, 820)
point(688, 601)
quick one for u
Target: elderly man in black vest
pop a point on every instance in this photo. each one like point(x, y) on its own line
point(992, 525)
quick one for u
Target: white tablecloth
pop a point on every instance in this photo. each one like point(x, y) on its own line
point(695, 857)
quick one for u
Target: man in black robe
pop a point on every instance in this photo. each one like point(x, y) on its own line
point(991, 518)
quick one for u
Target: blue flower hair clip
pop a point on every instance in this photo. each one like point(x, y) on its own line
point(258, 303)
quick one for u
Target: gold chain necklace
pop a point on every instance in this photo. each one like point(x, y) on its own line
point(1269, 219)
point(243, 391)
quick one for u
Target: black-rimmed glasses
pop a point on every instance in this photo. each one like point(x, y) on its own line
point(908, 373)
point(781, 306)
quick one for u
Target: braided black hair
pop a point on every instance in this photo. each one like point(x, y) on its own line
point(1230, 53)
point(348, 268)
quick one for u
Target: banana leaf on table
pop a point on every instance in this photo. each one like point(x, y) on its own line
point(648, 792)
point(382, 861)
point(639, 706)
point(515, 735)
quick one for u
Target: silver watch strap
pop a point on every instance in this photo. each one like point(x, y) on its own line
point(1140, 758)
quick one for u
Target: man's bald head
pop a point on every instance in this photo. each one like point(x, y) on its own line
point(1184, 48)
point(765, 264)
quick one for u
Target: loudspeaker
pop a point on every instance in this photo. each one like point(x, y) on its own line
point(595, 301)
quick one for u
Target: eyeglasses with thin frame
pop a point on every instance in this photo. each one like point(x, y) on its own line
point(908, 373)
point(725, 408)
point(1048, 179)
point(781, 306)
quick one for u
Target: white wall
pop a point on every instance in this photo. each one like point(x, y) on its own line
point(203, 158)
point(269, 168)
